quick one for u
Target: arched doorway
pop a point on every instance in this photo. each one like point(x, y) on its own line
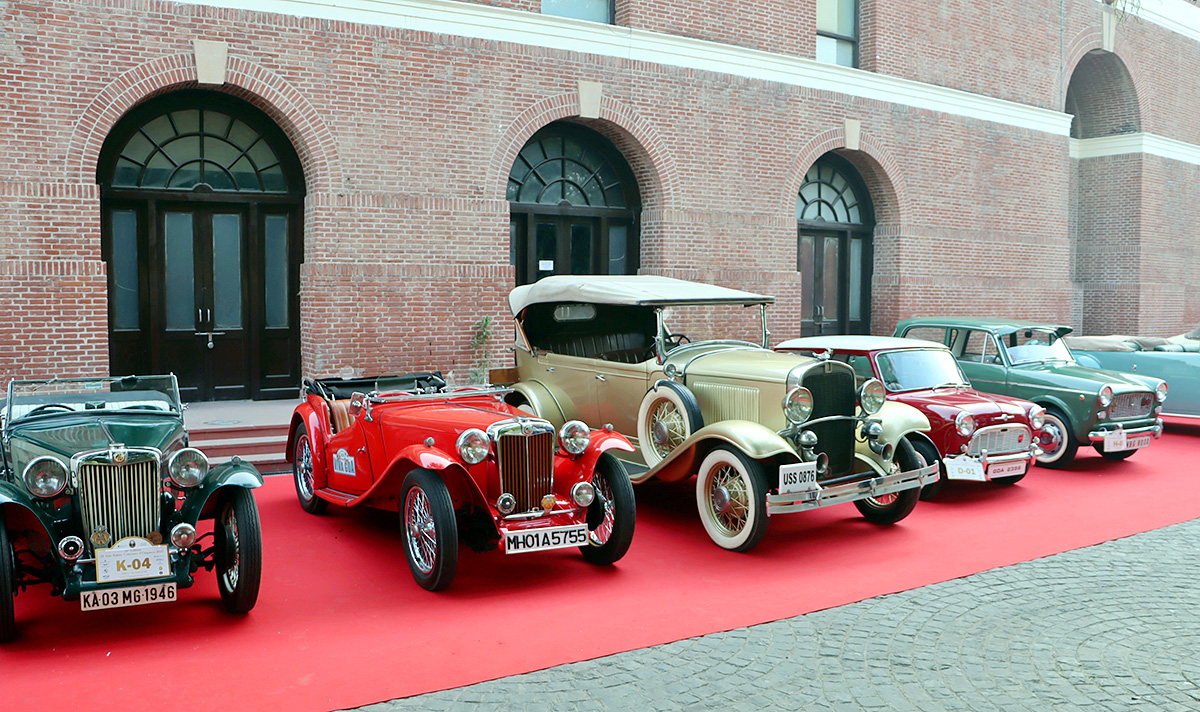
point(201, 197)
point(574, 206)
point(834, 224)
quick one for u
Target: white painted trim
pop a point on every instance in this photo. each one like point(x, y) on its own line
point(526, 28)
point(1122, 144)
point(1178, 16)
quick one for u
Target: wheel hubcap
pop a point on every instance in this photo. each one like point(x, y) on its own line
point(667, 428)
point(1051, 438)
point(729, 500)
point(721, 499)
point(422, 531)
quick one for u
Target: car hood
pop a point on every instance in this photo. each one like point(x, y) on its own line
point(1074, 376)
point(67, 435)
point(740, 362)
point(986, 408)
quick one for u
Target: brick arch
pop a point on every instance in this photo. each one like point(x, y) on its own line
point(653, 164)
point(1089, 40)
point(287, 107)
point(879, 170)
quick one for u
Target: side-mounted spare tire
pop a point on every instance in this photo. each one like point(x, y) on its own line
point(669, 415)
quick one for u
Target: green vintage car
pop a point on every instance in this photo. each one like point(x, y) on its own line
point(101, 498)
point(683, 370)
point(1117, 413)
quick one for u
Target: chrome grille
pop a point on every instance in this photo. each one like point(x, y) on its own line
point(1000, 440)
point(832, 386)
point(1131, 405)
point(123, 499)
point(526, 466)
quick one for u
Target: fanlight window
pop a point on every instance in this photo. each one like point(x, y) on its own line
point(828, 195)
point(559, 170)
point(186, 148)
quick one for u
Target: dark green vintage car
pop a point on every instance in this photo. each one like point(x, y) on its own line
point(101, 497)
point(1116, 413)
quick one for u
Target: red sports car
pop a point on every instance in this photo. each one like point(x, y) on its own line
point(460, 464)
point(975, 436)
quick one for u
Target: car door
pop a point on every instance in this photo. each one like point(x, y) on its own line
point(347, 458)
point(981, 360)
point(619, 391)
point(576, 377)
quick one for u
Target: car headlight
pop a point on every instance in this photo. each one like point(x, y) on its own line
point(1106, 396)
point(964, 423)
point(188, 467)
point(1161, 392)
point(473, 446)
point(797, 405)
point(1037, 417)
point(871, 396)
point(45, 477)
point(575, 436)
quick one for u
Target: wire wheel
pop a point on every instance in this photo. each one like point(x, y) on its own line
point(303, 474)
point(232, 570)
point(430, 529)
point(667, 428)
point(602, 532)
point(731, 494)
point(668, 416)
point(421, 531)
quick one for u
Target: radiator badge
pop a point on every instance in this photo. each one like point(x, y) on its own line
point(100, 538)
point(343, 463)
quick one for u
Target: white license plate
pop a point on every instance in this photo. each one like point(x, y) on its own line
point(132, 558)
point(963, 468)
point(523, 540)
point(1004, 469)
point(799, 477)
point(132, 596)
point(1133, 442)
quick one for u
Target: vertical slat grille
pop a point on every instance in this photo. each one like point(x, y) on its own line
point(1132, 405)
point(526, 467)
point(833, 394)
point(720, 402)
point(1000, 441)
point(123, 499)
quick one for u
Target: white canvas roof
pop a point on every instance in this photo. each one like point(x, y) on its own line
point(627, 290)
point(858, 343)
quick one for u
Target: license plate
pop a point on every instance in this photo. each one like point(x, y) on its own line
point(1003, 469)
point(1115, 441)
point(132, 596)
point(1133, 442)
point(132, 558)
point(799, 477)
point(523, 540)
point(963, 468)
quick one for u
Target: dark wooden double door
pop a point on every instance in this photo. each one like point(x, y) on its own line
point(835, 273)
point(547, 244)
point(207, 291)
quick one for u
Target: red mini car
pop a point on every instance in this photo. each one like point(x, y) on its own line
point(460, 464)
point(975, 436)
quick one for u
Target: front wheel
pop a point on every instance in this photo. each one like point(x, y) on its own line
point(611, 515)
point(302, 474)
point(8, 575)
point(731, 493)
point(891, 508)
point(239, 550)
point(1115, 454)
point(930, 454)
point(1057, 440)
point(430, 530)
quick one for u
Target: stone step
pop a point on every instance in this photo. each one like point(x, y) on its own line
point(225, 447)
point(265, 463)
point(206, 433)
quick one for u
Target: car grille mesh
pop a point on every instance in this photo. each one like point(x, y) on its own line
point(833, 394)
point(999, 440)
point(526, 467)
point(123, 499)
point(1132, 405)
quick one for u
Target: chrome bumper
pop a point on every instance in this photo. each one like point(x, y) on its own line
point(1097, 436)
point(1029, 457)
point(851, 491)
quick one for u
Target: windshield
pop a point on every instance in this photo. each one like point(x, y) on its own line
point(918, 369)
point(694, 323)
point(1034, 345)
point(55, 396)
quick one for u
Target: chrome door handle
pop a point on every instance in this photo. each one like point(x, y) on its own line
point(199, 317)
point(600, 378)
point(550, 369)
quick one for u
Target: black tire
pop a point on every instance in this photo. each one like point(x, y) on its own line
point(1011, 479)
point(239, 549)
point(430, 529)
point(669, 414)
point(1059, 437)
point(1115, 455)
point(611, 516)
point(930, 454)
point(8, 585)
point(891, 508)
point(302, 474)
point(735, 518)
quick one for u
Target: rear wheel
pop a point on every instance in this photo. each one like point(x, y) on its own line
point(891, 508)
point(930, 454)
point(610, 517)
point(239, 549)
point(1057, 440)
point(302, 474)
point(430, 530)
point(8, 576)
point(731, 493)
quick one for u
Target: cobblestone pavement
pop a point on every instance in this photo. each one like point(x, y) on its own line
point(1111, 627)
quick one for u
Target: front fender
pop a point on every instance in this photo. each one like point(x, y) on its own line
point(305, 416)
point(235, 473)
point(423, 456)
point(601, 442)
point(14, 496)
point(543, 401)
point(900, 419)
point(755, 440)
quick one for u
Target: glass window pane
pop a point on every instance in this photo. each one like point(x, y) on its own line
point(845, 17)
point(138, 148)
point(856, 274)
point(546, 249)
point(827, 15)
point(618, 236)
point(187, 121)
point(594, 10)
point(276, 278)
point(227, 271)
point(807, 276)
point(581, 249)
point(126, 173)
point(179, 283)
point(845, 53)
point(125, 269)
point(829, 278)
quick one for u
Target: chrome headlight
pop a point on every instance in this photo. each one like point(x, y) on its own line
point(871, 396)
point(964, 423)
point(1161, 392)
point(1106, 396)
point(188, 467)
point(583, 493)
point(797, 405)
point(575, 436)
point(1037, 417)
point(45, 477)
point(473, 446)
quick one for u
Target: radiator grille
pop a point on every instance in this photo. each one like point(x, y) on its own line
point(1132, 405)
point(526, 467)
point(123, 499)
point(833, 394)
point(1000, 440)
point(719, 402)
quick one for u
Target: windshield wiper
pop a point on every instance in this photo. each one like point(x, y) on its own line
point(950, 383)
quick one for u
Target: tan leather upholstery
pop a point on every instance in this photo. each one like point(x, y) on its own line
point(339, 415)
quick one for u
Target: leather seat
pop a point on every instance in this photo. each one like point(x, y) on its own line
point(339, 415)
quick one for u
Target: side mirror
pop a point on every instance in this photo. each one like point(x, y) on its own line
point(356, 404)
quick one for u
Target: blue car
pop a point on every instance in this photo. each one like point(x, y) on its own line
point(1175, 360)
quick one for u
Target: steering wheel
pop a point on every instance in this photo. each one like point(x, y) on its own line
point(49, 407)
point(674, 341)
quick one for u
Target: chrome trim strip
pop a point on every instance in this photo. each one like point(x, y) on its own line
point(405, 396)
point(851, 491)
point(1156, 430)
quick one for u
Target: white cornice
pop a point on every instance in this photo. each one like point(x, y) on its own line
point(1178, 16)
point(526, 28)
point(1136, 143)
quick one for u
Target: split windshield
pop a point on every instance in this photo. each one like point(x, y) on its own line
point(1035, 345)
point(56, 396)
point(693, 323)
point(918, 369)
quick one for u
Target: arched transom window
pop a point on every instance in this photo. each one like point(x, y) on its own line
point(829, 196)
point(560, 168)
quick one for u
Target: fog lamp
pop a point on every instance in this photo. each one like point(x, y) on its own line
point(70, 548)
point(183, 535)
point(506, 503)
point(583, 493)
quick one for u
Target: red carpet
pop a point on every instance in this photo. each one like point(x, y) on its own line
point(340, 622)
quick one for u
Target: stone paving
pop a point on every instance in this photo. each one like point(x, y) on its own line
point(1110, 627)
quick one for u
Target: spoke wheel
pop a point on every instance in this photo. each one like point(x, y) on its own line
point(611, 515)
point(302, 473)
point(430, 530)
point(8, 575)
point(731, 494)
point(239, 549)
point(668, 416)
point(1057, 440)
point(891, 508)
